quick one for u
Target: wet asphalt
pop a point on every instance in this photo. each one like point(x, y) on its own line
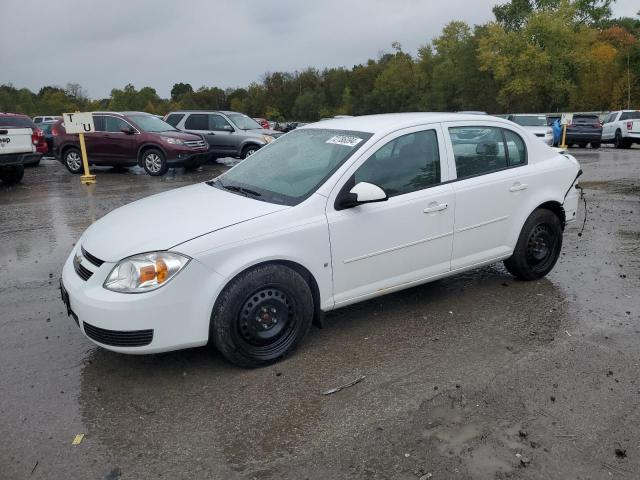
point(478, 376)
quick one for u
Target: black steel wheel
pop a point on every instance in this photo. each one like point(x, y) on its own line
point(538, 246)
point(262, 315)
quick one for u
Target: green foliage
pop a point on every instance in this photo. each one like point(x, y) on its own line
point(538, 55)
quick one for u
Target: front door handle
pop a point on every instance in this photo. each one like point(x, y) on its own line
point(516, 187)
point(435, 207)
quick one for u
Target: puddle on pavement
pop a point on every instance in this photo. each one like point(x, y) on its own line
point(625, 186)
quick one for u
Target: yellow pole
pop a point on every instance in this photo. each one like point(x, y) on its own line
point(87, 178)
point(564, 136)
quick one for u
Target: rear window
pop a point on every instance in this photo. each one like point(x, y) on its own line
point(630, 116)
point(16, 121)
point(174, 119)
point(586, 119)
point(45, 127)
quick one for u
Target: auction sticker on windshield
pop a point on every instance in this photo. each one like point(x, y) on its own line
point(346, 140)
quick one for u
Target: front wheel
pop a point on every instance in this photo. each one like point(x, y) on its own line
point(595, 144)
point(262, 316)
point(154, 162)
point(538, 246)
point(248, 151)
point(11, 174)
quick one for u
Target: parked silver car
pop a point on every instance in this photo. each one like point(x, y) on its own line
point(534, 123)
point(229, 134)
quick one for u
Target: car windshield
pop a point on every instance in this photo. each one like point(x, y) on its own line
point(243, 122)
point(530, 120)
point(291, 168)
point(149, 123)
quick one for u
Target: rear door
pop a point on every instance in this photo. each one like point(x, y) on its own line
point(608, 129)
point(94, 141)
point(491, 188)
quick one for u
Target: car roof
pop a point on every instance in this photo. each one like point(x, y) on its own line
point(393, 121)
point(226, 112)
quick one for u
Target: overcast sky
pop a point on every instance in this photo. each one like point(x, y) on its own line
point(224, 43)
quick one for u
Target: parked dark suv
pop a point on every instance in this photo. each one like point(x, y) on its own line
point(584, 128)
point(127, 139)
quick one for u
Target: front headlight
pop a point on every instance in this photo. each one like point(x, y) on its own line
point(173, 141)
point(268, 138)
point(145, 272)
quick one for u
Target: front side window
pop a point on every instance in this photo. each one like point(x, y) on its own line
point(197, 121)
point(478, 150)
point(406, 164)
point(290, 169)
point(217, 122)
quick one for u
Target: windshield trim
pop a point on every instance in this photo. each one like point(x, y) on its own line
point(269, 196)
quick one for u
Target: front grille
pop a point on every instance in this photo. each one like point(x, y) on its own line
point(116, 338)
point(196, 144)
point(95, 260)
point(83, 273)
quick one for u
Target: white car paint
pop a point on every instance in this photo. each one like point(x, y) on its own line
point(352, 254)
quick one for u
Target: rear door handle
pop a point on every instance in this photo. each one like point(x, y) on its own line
point(435, 207)
point(516, 187)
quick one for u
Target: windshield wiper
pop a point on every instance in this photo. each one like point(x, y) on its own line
point(234, 188)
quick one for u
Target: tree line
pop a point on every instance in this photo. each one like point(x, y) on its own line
point(536, 56)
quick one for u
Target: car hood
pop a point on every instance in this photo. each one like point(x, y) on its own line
point(189, 137)
point(264, 131)
point(165, 220)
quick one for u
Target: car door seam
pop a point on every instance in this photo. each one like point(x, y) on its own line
point(397, 247)
point(482, 224)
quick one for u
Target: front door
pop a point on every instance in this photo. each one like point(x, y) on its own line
point(377, 247)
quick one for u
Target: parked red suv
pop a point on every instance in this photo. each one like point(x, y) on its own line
point(130, 138)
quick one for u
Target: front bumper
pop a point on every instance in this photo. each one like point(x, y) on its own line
point(173, 317)
point(188, 158)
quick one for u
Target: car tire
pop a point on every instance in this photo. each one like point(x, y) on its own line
point(262, 316)
point(619, 141)
point(595, 145)
point(538, 246)
point(582, 145)
point(154, 162)
point(11, 174)
point(248, 151)
point(72, 159)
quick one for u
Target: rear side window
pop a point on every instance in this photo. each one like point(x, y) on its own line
point(98, 123)
point(405, 164)
point(197, 121)
point(174, 119)
point(478, 150)
point(17, 121)
point(516, 149)
point(630, 116)
point(115, 124)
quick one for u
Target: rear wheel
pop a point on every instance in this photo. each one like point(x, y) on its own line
point(582, 145)
point(595, 145)
point(154, 162)
point(620, 142)
point(538, 246)
point(11, 174)
point(262, 315)
point(72, 160)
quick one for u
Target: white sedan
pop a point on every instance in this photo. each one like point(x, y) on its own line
point(331, 214)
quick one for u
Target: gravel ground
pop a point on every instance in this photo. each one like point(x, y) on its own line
point(478, 376)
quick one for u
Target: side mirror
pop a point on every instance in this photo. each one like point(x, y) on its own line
point(128, 130)
point(228, 128)
point(361, 193)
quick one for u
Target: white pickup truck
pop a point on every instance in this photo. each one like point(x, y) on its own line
point(622, 128)
point(16, 144)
